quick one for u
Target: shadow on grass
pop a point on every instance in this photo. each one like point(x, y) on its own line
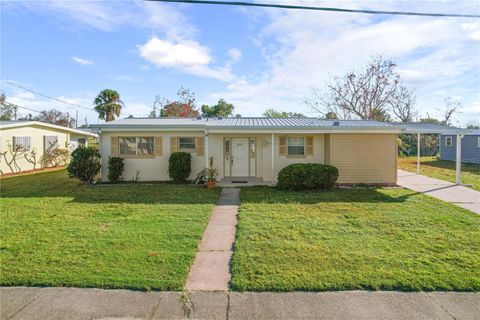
point(271, 195)
point(450, 165)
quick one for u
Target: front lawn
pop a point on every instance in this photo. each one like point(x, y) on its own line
point(389, 239)
point(442, 169)
point(55, 232)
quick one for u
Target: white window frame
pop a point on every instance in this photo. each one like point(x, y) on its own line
point(448, 141)
point(478, 142)
point(137, 153)
point(22, 140)
point(295, 145)
point(189, 149)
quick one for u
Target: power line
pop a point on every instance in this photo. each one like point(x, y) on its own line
point(285, 6)
point(46, 96)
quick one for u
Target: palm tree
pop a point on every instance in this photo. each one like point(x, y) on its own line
point(108, 104)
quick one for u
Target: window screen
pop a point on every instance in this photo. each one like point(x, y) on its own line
point(50, 143)
point(186, 143)
point(20, 143)
point(296, 146)
point(142, 146)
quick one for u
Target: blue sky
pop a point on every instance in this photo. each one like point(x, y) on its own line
point(254, 58)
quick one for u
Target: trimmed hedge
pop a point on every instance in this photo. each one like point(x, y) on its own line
point(84, 164)
point(179, 166)
point(307, 176)
point(115, 169)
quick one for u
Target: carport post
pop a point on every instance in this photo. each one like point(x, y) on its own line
point(273, 156)
point(458, 161)
point(418, 153)
point(206, 149)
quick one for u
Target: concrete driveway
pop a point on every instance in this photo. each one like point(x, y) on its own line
point(459, 195)
point(74, 304)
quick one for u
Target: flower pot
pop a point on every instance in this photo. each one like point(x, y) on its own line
point(211, 184)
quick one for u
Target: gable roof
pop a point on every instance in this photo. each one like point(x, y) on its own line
point(246, 123)
point(5, 124)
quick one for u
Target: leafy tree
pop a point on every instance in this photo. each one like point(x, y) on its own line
point(331, 116)
point(8, 111)
point(221, 109)
point(183, 107)
point(57, 117)
point(473, 126)
point(372, 93)
point(108, 105)
point(272, 113)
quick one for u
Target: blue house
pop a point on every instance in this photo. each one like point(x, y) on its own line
point(470, 147)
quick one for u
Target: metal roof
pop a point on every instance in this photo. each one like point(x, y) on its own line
point(431, 128)
point(6, 124)
point(246, 123)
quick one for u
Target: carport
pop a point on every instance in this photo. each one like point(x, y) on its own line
point(425, 128)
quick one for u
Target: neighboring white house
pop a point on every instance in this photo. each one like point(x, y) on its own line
point(363, 151)
point(28, 141)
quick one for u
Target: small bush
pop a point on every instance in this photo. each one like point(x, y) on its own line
point(84, 164)
point(179, 166)
point(307, 176)
point(115, 169)
point(54, 158)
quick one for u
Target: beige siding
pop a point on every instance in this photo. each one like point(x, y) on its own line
point(36, 134)
point(364, 158)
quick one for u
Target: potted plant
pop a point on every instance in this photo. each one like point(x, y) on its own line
point(211, 177)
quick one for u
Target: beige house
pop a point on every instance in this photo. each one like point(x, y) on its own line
point(252, 149)
point(29, 140)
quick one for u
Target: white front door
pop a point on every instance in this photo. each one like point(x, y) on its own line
point(239, 157)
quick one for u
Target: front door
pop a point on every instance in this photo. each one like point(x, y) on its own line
point(239, 159)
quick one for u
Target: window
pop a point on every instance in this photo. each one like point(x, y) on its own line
point(296, 146)
point(20, 143)
point(186, 144)
point(50, 143)
point(478, 142)
point(142, 146)
point(81, 142)
point(448, 141)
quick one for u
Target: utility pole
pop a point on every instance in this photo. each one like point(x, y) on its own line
point(76, 118)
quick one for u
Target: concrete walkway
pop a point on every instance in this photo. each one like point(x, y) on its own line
point(461, 196)
point(74, 304)
point(211, 267)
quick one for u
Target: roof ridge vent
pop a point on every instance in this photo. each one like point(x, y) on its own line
point(336, 123)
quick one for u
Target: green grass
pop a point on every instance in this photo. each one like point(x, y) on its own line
point(442, 169)
point(389, 239)
point(55, 232)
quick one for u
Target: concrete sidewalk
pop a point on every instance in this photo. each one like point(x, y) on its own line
point(459, 195)
point(73, 304)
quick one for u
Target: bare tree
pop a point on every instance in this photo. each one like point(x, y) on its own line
point(57, 117)
point(15, 153)
point(372, 93)
point(451, 108)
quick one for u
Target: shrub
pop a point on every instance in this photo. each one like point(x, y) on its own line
point(84, 164)
point(307, 176)
point(115, 169)
point(179, 166)
point(54, 158)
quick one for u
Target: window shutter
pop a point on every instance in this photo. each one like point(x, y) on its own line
point(158, 147)
point(199, 146)
point(114, 147)
point(282, 148)
point(309, 146)
point(173, 144)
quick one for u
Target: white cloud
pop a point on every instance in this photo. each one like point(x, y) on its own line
point(169, 54)
point(234, 54)
point(82, 61)
point(124, 77)
point(186, 55)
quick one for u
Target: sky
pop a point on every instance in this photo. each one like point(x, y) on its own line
point(255, 58)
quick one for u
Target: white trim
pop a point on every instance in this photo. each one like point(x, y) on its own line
point(47, 125)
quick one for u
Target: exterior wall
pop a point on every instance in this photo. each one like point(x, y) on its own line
point(470, 149)
point(153, 168)
point(364, 158)
point(36, 133)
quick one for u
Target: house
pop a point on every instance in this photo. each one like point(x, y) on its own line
point(252, 148)
point(24, 143)
point(470, 147)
